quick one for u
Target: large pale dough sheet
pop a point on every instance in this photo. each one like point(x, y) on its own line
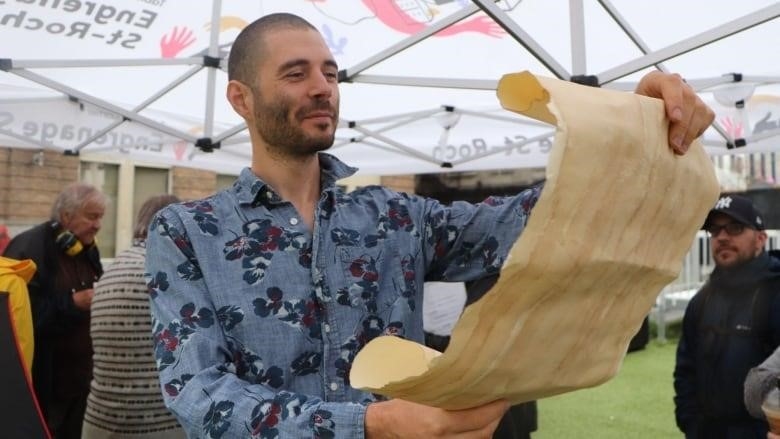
point(617, 214)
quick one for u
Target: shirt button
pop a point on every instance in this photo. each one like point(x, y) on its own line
point(293, 221)
point(334, 386)
point(326, 328)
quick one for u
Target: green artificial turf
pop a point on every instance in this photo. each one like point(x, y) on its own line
point(636, 403)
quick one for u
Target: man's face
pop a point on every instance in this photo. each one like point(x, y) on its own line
point(85, 222)
point(296, 95)
point(731, 250)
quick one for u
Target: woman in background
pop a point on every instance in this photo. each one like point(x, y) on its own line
point(125, 399)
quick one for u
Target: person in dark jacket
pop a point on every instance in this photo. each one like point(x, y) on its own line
point(731, 325)
point(68, 262)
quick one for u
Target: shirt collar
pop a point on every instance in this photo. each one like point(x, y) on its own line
point(249, 189)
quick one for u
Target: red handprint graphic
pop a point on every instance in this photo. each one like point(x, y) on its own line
point(174, 42)
point(733, 129)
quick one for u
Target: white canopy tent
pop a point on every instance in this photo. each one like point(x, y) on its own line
point(145, 78)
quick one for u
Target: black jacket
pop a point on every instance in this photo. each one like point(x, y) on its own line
point(62, 361)
point(731, 325)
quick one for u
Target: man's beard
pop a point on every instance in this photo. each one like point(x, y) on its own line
point(285, 137)
point(740, 256)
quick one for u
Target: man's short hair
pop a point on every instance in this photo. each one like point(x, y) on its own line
point(249, 47)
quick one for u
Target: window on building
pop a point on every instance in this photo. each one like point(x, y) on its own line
point(224, 181)
point(148, 183)
point(105, 176)
point(127, 187)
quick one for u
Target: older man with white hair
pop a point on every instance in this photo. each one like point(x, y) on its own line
point(64, 250)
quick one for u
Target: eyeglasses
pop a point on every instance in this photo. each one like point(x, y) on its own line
point(732, 229)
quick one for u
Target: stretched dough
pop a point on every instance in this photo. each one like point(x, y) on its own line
point(615, 218)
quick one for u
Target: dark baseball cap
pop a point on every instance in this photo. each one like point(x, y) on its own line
point(739, 208)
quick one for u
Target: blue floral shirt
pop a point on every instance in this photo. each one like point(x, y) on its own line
point(257, 319)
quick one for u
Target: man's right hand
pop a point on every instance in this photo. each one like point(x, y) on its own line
point(403, 419)
point(83, 299)
point(771, 435)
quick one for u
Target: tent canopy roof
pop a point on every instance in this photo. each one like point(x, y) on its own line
point(146, 79)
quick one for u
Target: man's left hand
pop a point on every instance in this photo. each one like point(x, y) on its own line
point(688, 115)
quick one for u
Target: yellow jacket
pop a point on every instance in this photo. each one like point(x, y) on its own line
point(14, 275)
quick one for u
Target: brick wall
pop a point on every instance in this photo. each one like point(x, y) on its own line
point(28, 190)
point(191, 184)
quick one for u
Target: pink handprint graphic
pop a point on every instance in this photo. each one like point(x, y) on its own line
point(179, 148)
point(733, 129)
point(174, 42)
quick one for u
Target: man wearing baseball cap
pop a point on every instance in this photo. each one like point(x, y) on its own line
point(730, 325)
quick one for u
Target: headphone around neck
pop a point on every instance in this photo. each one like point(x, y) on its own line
point(68, 242)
